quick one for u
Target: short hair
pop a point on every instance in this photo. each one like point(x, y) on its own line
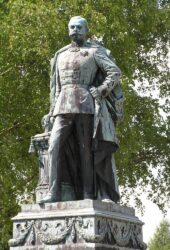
point(80, 18)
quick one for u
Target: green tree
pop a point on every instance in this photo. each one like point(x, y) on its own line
point(161, 238)
point(137, 33)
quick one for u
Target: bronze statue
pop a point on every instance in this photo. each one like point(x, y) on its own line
point(86, 102)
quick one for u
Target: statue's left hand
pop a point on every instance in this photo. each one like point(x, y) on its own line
point(95, 93)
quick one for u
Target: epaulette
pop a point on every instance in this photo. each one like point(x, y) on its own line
point(63, 49)
point(53, 60)
point(94, 44)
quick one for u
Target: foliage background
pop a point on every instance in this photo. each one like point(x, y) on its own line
point(137, 33)
point(161, 238)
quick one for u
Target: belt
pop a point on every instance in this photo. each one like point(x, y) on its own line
point(74, 86)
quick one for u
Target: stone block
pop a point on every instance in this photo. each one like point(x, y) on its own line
point(86, 224)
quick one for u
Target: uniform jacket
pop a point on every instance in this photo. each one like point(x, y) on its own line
point(73, 71)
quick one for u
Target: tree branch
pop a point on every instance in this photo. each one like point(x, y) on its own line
point(12, 127)
point(6, 71)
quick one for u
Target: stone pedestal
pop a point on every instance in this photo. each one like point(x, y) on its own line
point(86, 224)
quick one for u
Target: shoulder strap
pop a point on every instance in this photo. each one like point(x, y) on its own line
point(63, 49)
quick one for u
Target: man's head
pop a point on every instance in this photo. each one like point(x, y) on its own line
point(78, 28)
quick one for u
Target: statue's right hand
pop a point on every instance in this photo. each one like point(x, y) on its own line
point(45, 120)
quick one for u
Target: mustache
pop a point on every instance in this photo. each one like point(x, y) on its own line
point(74, 33)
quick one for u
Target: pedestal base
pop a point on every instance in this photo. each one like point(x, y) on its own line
point(86, 224)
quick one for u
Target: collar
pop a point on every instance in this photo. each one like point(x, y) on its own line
point(78, 45)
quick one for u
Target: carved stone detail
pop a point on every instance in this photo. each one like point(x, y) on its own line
point(22, 231)
point(121, 234)
point(79, 229)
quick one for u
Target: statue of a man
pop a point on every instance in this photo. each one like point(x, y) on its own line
point(86, 102)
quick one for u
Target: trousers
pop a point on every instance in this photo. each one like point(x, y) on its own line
point(62, 129)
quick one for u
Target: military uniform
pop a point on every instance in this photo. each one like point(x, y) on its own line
point(74, 71)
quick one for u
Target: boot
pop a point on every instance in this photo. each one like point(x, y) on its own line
point(48, 198)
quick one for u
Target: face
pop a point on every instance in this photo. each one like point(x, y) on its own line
point(77, 30)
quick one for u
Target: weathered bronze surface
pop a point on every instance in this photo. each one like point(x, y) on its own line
point(86, 104)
